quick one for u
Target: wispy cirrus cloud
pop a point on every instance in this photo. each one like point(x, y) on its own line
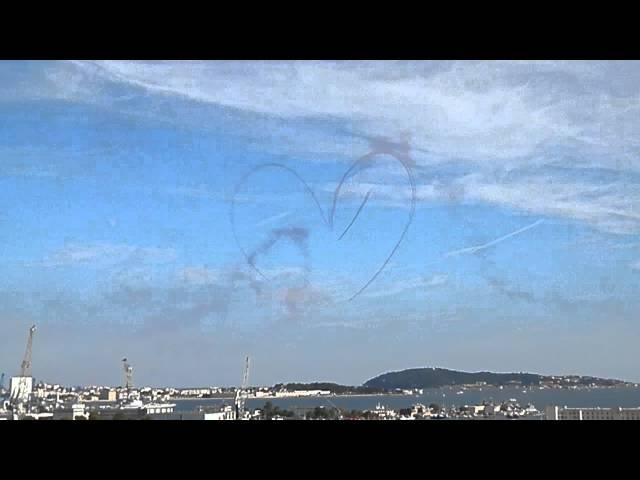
point(487, 112)
point(608, 207)
point(483, 118)
point(199, 275)
point(201, 192)
point(511, 292)
point(105, 254)
point(410, 284)
point(273, 219)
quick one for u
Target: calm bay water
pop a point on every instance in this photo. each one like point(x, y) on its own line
point(605, 397)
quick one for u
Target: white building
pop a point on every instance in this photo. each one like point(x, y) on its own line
point(476, 409)
point(564, 413)
point(78, 410)
point(21, 387)
point(384, 413)
point(263, 394)
point(303, 393)
point(158, 408)
point(109, 394)
point(40, 416)
point(195, 392)
point(226, 413)
point(420, 409)
point(75, 411)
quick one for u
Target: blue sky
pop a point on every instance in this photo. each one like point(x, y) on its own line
point(122, 184)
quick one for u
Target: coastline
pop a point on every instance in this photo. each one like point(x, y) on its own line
point(449, 388)
point(299, 396)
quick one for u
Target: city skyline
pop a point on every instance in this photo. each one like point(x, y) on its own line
point(186, 214)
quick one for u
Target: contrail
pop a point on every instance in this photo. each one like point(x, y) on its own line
point(401, 155)
point(477, 248)
point(403, 158)
point(275, 218)
point(364, 202)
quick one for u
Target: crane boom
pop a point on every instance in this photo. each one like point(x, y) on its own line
point(245, 376)
point(20, 395)
point(242, 391)
point(25, 366)
point(128, 374)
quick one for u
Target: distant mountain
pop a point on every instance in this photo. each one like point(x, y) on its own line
point(441, 377)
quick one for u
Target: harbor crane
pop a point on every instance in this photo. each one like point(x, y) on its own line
point(25, 366)
point(242, 392)
point(337, 409)
point(128, 375)
point(25, 380)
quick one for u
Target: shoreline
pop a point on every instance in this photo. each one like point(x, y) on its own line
point(396, 394)
point(300, 396)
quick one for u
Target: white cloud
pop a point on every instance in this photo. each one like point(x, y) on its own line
point(273, 219)
point(200, 192)
point(354, 325)
point(439, 279)
point(605, 207)
point(484, 117)
point(199, 275)
point(608, 207)
point(410, 284)
point(106, 254)
point(481, 111)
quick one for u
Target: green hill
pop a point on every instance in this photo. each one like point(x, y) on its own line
point(440, 377)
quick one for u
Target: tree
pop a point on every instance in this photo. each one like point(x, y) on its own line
point(94, 416)
point(435, 407)
point(354, 414)
point(118, 416)
point(314, 414)
point(267, 410)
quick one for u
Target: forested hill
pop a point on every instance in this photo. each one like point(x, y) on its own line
point(440, 377)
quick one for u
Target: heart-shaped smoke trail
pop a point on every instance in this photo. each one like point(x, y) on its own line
point(298, 235)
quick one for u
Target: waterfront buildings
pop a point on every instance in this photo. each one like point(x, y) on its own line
point(76, 411)
point(109, 395)
point(224, 413)
point(158, 408)
point(565, 413)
